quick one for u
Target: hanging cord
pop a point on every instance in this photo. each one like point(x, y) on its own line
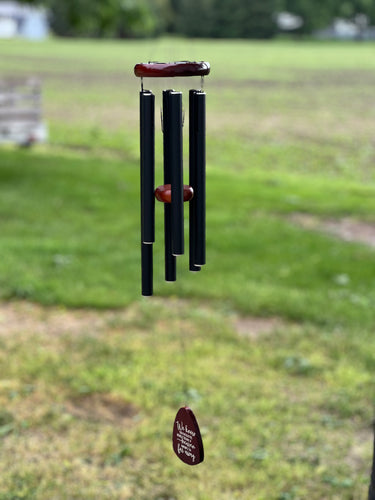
point(371, 493)
point(184, 366)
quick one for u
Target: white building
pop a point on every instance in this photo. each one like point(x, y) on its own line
point(357, 28)
point(24, 21)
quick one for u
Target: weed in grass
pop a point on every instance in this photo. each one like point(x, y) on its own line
point(297, 365)
point(5, 417)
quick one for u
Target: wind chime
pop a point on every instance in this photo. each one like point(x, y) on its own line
point(187, 441)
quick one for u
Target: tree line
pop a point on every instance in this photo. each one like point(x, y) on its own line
point(193, 18)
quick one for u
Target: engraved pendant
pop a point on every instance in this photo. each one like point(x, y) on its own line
point(187, 440)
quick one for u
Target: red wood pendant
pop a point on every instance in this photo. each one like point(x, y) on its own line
point(187, 440)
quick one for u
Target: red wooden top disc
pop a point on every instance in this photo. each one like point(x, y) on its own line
point(187, 440)
point(171, 69)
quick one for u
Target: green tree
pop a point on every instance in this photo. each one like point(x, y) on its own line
point(225, 19)
point(193, 17)
point(106, 18)
point(314, 16)
point(320, 15)
point(349, 8)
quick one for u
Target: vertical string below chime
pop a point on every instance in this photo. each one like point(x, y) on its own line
point(184, 366)
point(186, 438)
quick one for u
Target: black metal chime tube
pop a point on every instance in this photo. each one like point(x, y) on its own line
point(192, 183)
point(147, 146)
point(197, 173)
point(174, 150)
point(170, 259)
point(147, 269)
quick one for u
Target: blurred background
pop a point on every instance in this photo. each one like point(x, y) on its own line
point(206, 18)
point(272, 343)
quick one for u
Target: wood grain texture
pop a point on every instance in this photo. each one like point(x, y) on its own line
point(171, 69)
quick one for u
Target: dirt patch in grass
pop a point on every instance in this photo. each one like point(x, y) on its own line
point(253, 328)
point(352, 230)
point(25, 318)
point(347, 229)
point(19, 319)
point(361, 444)
point(102, 408)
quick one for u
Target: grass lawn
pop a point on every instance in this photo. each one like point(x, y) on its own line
point(271, 344)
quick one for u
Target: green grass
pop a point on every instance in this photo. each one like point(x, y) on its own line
point(285, 415)
point(70, 235)
point(280, 416)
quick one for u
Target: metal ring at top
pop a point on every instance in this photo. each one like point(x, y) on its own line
point(171, 69)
